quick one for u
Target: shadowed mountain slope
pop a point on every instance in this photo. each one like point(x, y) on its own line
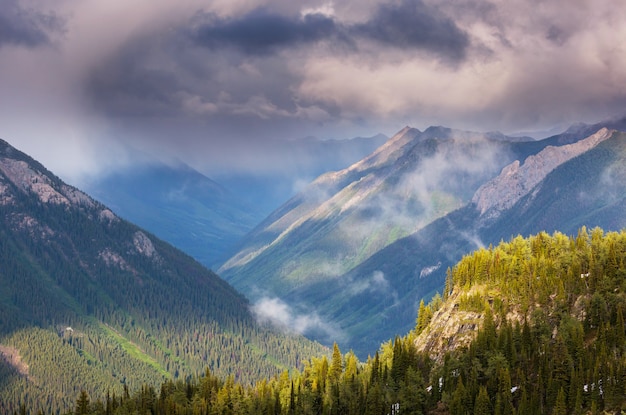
point(343, 218)
point(90, 301)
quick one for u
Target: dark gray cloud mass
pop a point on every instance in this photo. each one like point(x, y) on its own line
point(24, 26)
point(238, 66)
point(411, 24)
point(223, 84)
point(261, 31)
point(406, 25)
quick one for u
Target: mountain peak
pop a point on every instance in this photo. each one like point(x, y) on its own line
point(390, 151)
point(438, 131)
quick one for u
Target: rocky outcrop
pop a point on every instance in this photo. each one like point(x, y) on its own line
point(453, 327)
point(12, 356)
point(18, 175)
point(144, 245)
point(450, 328)
point(27, 179)
point(516, 180)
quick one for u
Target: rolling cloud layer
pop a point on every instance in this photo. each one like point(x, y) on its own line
point(222, 84)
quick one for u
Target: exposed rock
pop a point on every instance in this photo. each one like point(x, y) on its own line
point(449, 328)
point(28, 180)
point(112, 258)
point(77, 197)
point(516, 180)
point(32, 226)
point(144, 245)
point(453, 328)
point(12, 356)
point(106, 215)
point(6, 197)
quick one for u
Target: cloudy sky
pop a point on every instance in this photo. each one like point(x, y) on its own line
point(215, 82)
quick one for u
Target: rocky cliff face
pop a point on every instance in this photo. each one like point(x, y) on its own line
point(452, 327)
point(516, 180)
point(29, 179)
point(22, 178)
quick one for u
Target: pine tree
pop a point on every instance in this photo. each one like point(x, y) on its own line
point(559, 406)
point(482, 406)
point(336, 365)
point(422, 317)
point(82, 404)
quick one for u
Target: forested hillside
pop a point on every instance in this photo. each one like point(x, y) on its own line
point(90, 301)
point(531, 326)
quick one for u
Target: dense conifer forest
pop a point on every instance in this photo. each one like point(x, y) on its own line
point(551, 339)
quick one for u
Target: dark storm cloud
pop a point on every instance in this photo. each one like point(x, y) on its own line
point(26, 27)
point(262, 32)
point(413, 25)
point(128, 84)
point(166, 76)
point(211, 65)
point(161, 75)
point(407, 25)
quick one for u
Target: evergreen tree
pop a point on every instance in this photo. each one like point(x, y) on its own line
point(559, 406)
point(82, 404)
point(482, 406)
point(336, 364)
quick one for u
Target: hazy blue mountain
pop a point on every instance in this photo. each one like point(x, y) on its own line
point(91, 301)
point(179, 205)
point(205, 217)
point(302, 161)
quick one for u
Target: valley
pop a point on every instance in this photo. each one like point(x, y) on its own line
point(390, 207)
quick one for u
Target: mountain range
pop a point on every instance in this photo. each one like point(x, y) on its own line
point(92, 302)
point(205, 217)
point(360, 247)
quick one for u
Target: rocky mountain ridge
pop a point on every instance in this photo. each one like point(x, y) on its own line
point(516, 180)
point(28, 179)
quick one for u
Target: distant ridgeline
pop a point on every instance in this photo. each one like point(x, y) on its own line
point(531, 326)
